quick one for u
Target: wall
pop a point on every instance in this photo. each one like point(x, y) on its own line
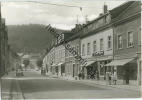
point(96, 37)
point(123, 29)
point(71, 61)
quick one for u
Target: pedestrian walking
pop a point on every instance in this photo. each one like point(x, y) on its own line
point(114, 77)
point(109, 78)
point(97, 74)
point(83, 76)
point(127, 76)
point(79, 75)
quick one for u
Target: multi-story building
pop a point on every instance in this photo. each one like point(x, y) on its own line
point(55, 58)
point(49, 61)
point(97, 42)
point(60, 52)
point(97, 46)
point(127, 43)
point(110, 43)
point(3, 48)
point(72, 65)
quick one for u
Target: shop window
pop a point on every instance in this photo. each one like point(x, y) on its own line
point(119, 41)
point(88, 49)
point(130, 39)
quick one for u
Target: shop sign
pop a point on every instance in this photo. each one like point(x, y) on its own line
point(100, 53)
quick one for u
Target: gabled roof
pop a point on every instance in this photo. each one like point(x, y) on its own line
point(68, 35)
point(77, 35)
point(116, 11)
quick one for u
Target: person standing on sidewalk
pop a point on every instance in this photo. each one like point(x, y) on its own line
point(109, 78)
point(79, 75)
point(114, 77)
point(97, 74)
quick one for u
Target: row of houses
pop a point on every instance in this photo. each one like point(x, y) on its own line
point(109, 43)
point(3, 46)
point(8, 57)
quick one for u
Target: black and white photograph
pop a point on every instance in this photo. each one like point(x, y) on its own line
point(70, 49)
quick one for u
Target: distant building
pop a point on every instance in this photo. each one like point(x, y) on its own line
point(60, 53)
point(54, 61)
point(14, 60)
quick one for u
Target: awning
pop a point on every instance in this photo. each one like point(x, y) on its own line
point(89, 63)
point(54, 65)
point(119, 62)
point(60, 64)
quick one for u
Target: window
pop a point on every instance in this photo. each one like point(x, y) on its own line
point(101, 44)
point(73, 49)
point(77, 49)
point(130, 39)
point(88, 49)
point(83, 50)
point(94, 46)
point(119, 41)
point(109, 42)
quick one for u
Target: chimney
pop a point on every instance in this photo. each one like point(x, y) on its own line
point(105, 8)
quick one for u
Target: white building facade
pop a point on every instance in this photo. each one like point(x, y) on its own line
point(97, 49)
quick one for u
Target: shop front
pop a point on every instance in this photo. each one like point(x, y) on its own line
point(88, 70)
point(102, 69)
point(126, 69)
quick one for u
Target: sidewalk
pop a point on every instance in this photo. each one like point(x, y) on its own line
point(103, 83)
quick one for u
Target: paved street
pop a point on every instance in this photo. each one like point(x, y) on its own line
point(35, 86)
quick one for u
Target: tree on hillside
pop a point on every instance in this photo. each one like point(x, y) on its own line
point(26, 38)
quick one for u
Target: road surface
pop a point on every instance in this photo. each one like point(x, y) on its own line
point(35, 86)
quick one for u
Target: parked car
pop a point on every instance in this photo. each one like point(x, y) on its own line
point(19, 72)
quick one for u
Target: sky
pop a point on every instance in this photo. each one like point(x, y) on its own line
point(62, 17)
